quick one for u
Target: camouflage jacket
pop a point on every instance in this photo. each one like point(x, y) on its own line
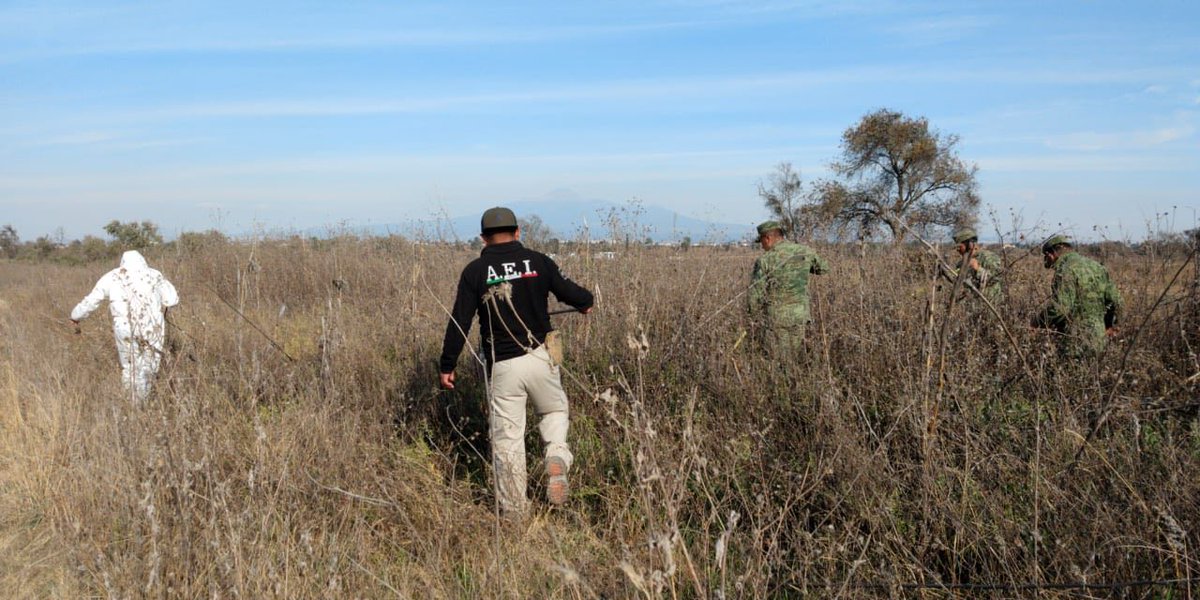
point(779, 284)
point(1083, 303)
point(987, 278)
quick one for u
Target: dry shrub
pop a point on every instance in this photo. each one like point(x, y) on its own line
point(911, 444)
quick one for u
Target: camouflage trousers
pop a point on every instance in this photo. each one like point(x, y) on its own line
point(1083, 341)
point(785, 342)
point(1079, 347)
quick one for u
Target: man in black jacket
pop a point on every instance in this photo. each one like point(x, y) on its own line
point(507, 287)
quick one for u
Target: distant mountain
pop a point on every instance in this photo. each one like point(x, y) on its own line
point(572, 218)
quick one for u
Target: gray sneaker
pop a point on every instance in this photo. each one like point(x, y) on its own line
point(556, 486)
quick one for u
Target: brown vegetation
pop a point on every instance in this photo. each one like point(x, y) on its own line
point(910, 446)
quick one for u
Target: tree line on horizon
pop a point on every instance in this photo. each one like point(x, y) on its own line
point(131, 235)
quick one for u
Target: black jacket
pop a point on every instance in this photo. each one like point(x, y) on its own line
point(505, 333)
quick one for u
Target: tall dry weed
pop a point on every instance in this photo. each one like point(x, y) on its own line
point(296, 445)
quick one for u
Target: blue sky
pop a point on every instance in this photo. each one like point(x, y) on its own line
point(1080, 115)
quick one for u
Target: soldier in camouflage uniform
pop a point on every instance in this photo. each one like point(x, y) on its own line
point(984, 265)
point(778, 295)
point(1084, 305)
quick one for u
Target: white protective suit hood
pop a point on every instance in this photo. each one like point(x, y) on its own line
point(133, 261)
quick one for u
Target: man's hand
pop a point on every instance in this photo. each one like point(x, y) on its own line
point(447, 380)
point(1112, 332)
point(78, 329)
point(587, 310)
point(974, 264)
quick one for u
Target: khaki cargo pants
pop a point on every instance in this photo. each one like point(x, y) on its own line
point(514, 382)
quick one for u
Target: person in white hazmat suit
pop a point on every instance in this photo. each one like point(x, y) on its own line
point(138, 297)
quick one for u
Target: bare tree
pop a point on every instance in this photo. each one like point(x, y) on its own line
point(534, 232)
point(894, 169)
point(782, 193)
point(10, 242)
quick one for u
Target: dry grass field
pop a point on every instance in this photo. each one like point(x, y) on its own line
point(914, 444)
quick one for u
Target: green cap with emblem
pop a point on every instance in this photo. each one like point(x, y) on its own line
point(1055, 240)
point(497, 218)
point(768, 226)
point(964, 234)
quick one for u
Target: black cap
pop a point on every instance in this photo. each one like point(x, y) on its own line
point(497, 218)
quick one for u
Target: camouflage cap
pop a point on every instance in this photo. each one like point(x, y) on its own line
point(964, 234)
point(1055, 240)
point(497, 218)
point(768, 226)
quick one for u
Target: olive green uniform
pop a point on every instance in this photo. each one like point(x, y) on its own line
point(1083, 303)
point(987, 278)
point(778, 294)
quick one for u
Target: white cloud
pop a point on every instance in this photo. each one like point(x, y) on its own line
point(1087, 163)
point(110, 141)
point(938, 30)
point(692, 87)
point(339, 40)
point(81, 138)
point(1092, 141)
point(1183, 125)
point(756, 161)
point(162, 143)
point(806, 8)
point(47, 15)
